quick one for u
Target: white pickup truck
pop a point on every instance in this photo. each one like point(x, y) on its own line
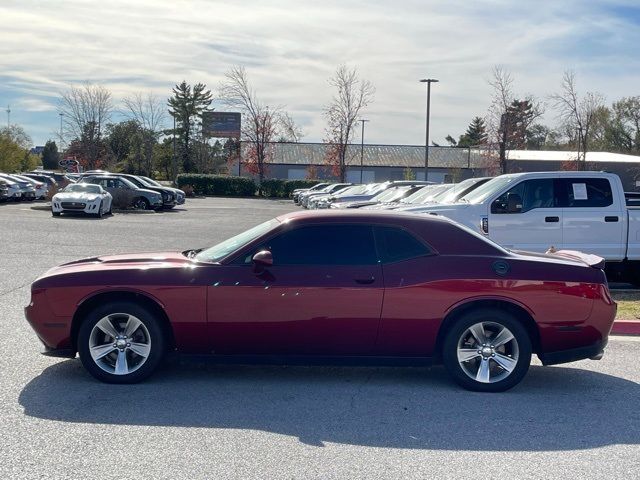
point(584, 211)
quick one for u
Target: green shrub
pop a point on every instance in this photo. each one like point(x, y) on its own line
point(272, 187)
point(219, 185)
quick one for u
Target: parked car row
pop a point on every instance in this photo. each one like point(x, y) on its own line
point(393, 195)
point(104, 191)
point(17, 188)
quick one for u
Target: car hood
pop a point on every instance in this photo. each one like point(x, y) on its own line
point(71, 196)
point(136, 261)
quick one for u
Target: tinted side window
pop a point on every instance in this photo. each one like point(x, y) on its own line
point(535, 193)
point(587, 192)
point(324, 245)
point(396, 244)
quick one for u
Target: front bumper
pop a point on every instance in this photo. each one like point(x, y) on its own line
point(593, 352)
point(90, 208)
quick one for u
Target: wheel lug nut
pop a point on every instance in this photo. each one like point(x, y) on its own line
point(128, 344)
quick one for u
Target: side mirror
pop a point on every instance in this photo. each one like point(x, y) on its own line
point(514, 203)
point(261, 260)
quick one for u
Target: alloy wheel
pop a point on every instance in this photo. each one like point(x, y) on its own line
point(488, 352)
point(119, 343)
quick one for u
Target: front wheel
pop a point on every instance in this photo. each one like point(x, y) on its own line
point(121, 342)
point(99, 213)
point(141, 204)
point(487, 350)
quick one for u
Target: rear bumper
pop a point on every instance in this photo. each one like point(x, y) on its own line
point(594, 352)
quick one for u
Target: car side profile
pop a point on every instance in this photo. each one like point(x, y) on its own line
point(330, 286)
point(126, 194)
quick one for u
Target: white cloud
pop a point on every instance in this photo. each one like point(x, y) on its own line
point(291, 47)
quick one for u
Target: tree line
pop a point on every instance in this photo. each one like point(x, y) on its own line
point(164, 137)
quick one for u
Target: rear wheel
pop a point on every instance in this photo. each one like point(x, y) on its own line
point(487, 350)
point(121, 342)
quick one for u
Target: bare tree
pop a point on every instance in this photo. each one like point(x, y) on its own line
point(85, 110)
point(509, 119)
point(260, 124)
point(149, 112)
point(352, 96)
point(289, 130)
point(579, 115)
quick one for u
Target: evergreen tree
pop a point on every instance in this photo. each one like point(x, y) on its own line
point(50, 156)
point(476, 134)
point(186, 107)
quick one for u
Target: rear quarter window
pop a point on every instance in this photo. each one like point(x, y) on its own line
point(396, 244)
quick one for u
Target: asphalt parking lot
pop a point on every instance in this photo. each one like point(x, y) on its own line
point(192, 420)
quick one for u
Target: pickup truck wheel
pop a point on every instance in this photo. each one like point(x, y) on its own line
point(121, 342)
point(141, 203)
point(487, 350)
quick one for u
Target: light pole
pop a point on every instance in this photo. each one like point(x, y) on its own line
point(174, 165)
point(362, 148)
point(428, 81)
point(61, 115)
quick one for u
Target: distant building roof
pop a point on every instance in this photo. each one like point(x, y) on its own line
point(563, 156)
point(413, 155)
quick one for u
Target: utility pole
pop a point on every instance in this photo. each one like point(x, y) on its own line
point(428, 81)
point(362, 148)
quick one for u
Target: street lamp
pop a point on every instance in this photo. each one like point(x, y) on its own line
point(61, 115)
point(362, 148)
point(428, 81)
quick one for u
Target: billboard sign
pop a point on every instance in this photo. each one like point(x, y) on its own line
point(221, 124)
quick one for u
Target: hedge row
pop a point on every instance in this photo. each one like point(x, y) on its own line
point(224, 185)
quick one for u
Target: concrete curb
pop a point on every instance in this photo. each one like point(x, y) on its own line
point(626, 327)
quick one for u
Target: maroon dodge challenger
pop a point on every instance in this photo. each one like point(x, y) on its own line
point(318, 287)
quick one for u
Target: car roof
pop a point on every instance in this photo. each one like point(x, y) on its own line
point(444, 235)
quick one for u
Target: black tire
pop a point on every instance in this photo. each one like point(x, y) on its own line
point(141, 203)
point(99, 213)
point(492, 319)
point(110, 212)
point(152, 332)
point(55, 214)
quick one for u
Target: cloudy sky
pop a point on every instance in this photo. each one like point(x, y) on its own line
point(291, 47)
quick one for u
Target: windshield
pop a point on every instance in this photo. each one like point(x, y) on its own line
point(355, 190)
point(82, 187)
point(390, 194)
point(453, 194)
point(426, 194)
point(150, 181)
point(221, 250)
point(483, 192)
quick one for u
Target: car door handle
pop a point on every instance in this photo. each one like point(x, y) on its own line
point(552, 219)
point(611, 219)
point(365, 281)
